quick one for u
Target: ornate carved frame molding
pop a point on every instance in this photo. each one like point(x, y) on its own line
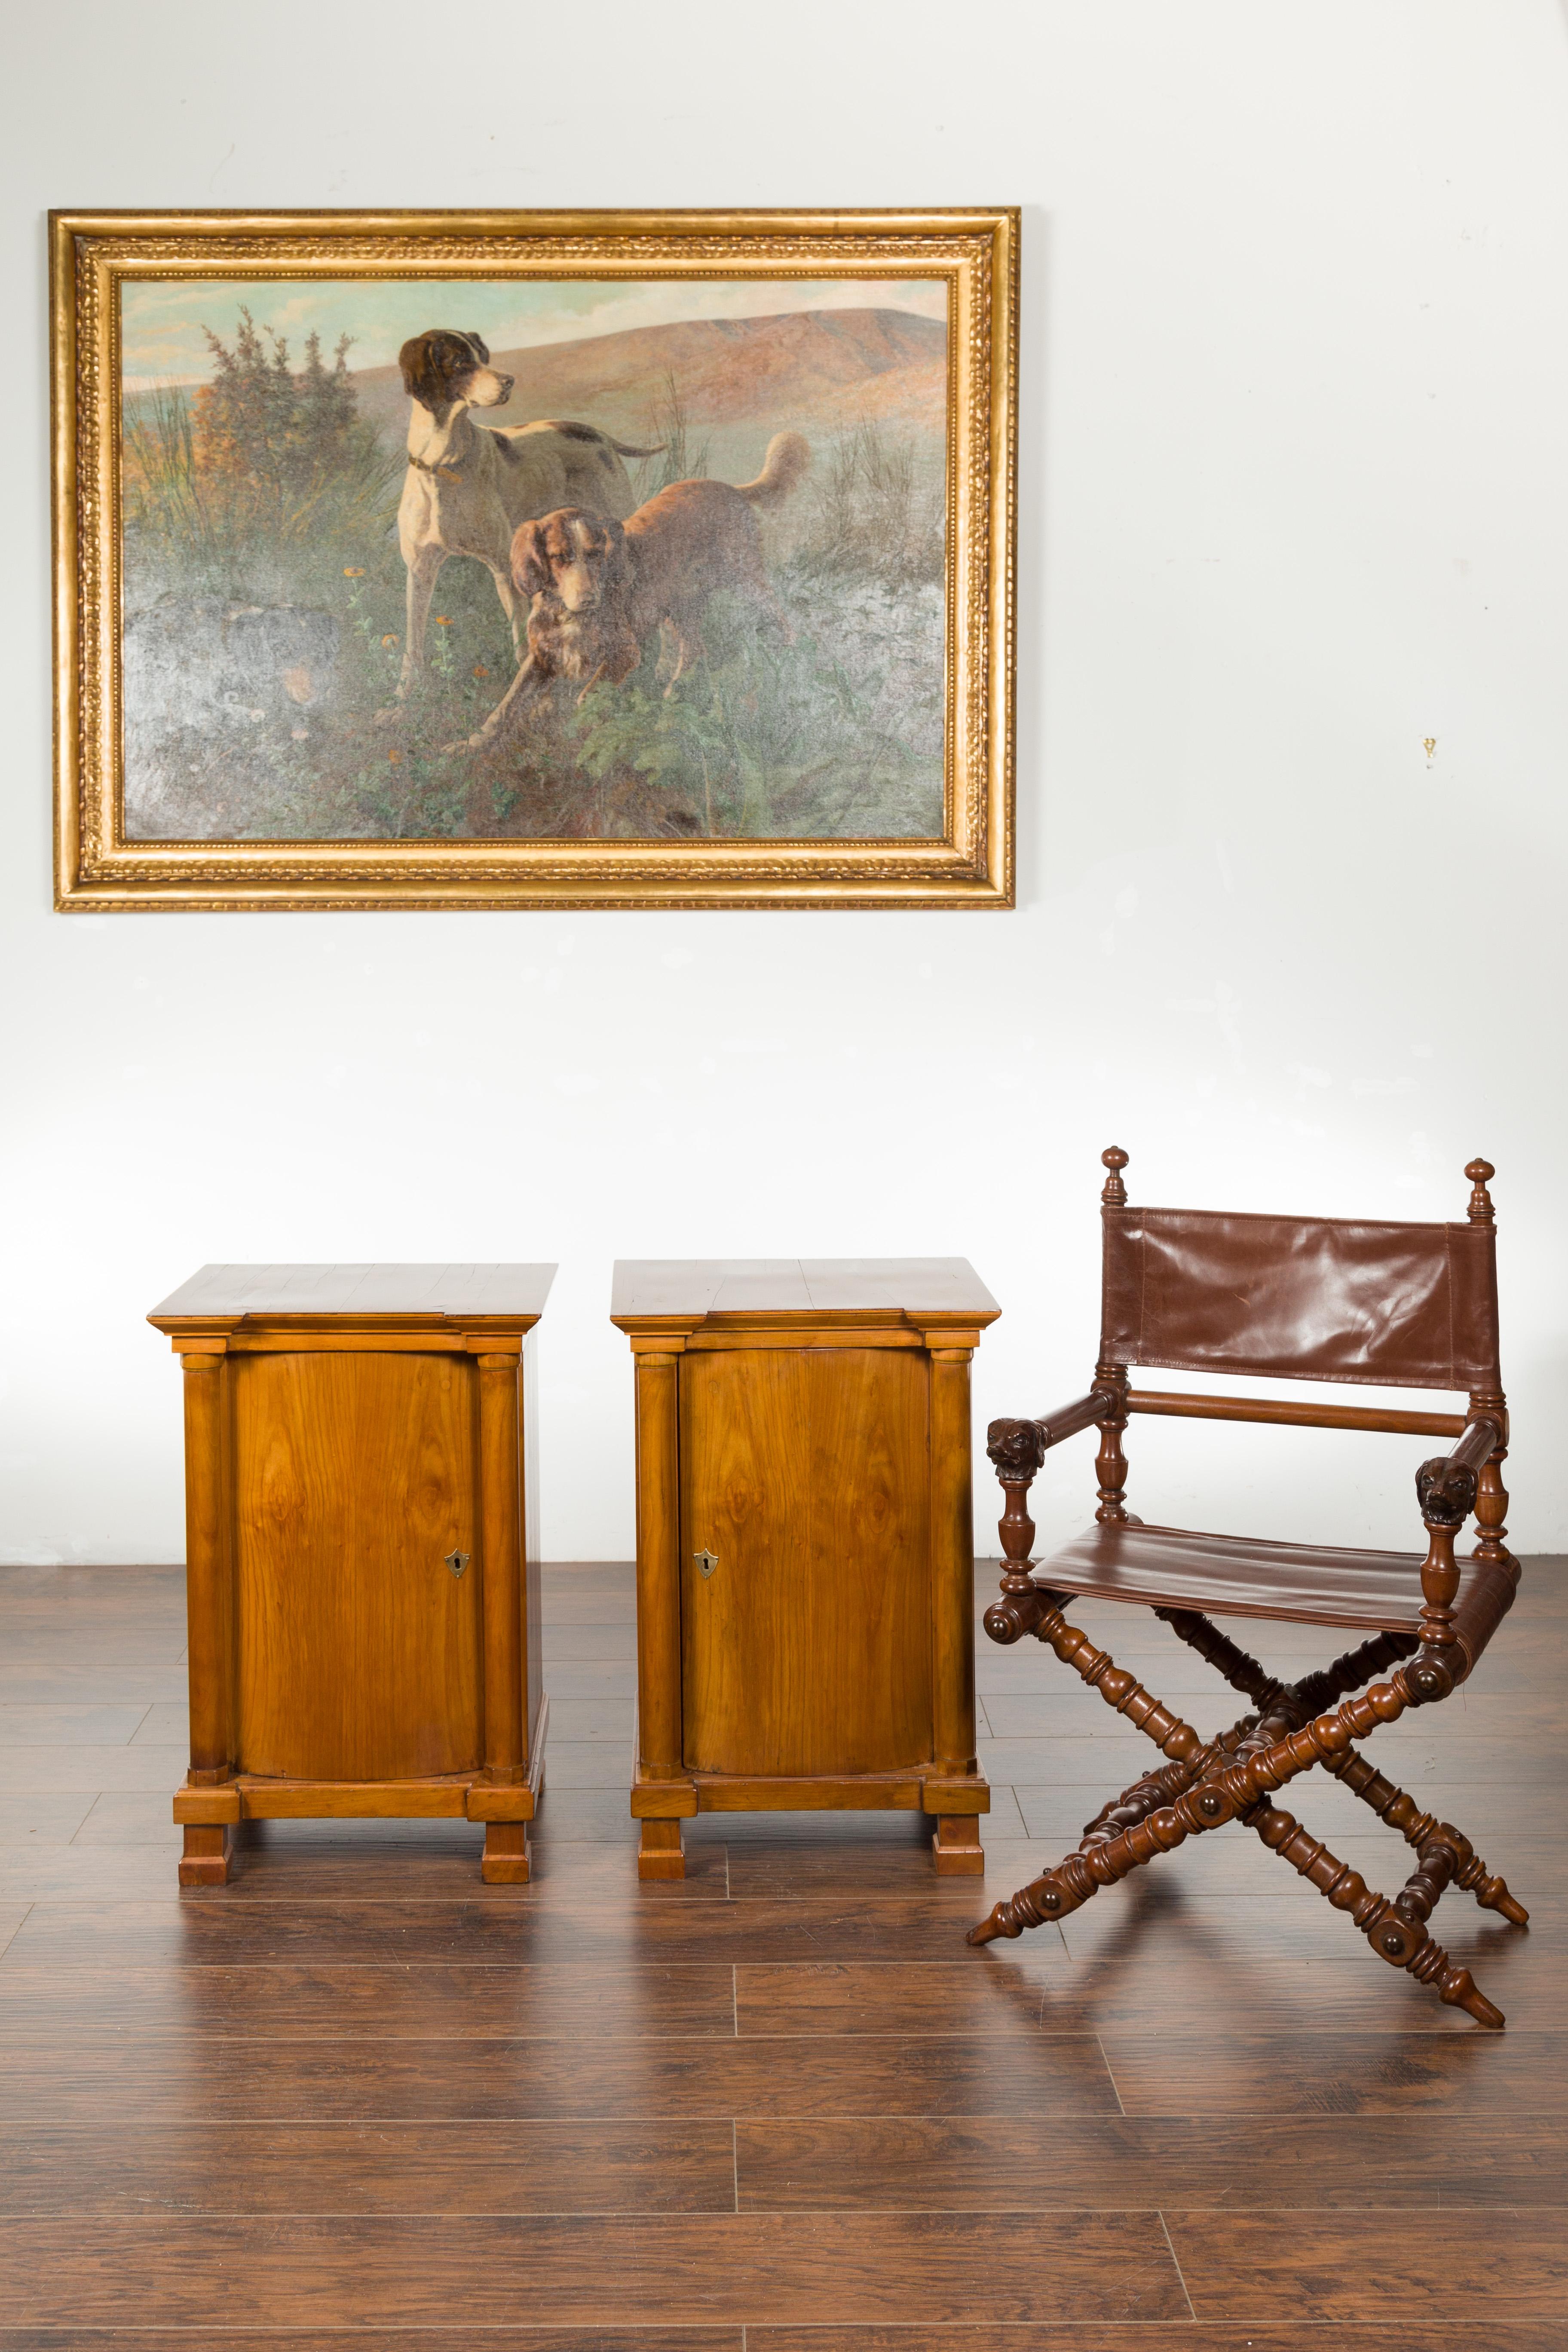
point(976, 250)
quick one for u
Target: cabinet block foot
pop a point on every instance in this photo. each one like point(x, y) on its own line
point(209, 1849)
point(506, 1861)
point(660, 1853)
point(955, 1849)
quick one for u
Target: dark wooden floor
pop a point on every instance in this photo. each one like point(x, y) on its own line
point(780, 2107)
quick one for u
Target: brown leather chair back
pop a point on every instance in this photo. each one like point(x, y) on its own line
point(1311, 1299)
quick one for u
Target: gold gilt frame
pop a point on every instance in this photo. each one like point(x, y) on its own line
point(974, 249)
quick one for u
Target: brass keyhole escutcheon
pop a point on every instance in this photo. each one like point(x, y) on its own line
point(706, 1560)
point(456, 1561)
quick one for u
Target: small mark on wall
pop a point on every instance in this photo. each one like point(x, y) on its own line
point(1429, 745)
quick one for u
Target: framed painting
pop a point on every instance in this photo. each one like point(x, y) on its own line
point(534, 559)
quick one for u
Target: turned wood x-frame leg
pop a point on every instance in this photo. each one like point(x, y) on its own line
point(1230, 1777)
point(1295, 1701)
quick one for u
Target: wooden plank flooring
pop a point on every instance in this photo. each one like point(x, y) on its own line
point(780, 2107)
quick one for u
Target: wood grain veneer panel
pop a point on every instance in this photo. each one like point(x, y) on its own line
point(1185, 2336)
point(248, 1929)
point(520, 2337)
point(1002, 2336)
point(302, 2002)
point(809, 1649)
point(746, 1473)
point(1072, 2162)
point(346, 2097)
point(76, 2080)
point(523, 2167)
point(650, 1290)
point(614, 2270)
point(358, 1651)
point(1328, 2268)
point(511, 1293)
point(1348, 2075)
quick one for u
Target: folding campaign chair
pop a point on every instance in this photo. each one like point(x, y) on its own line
point(1330, 1299)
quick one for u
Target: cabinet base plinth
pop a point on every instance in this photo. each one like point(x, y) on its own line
point(955, 1802)
point(955, 1849)
point(506, 1861)
point(209, 1815)
point(944, 1796)
point(263, 1797)
point(660, 1852)
point(205, 1860)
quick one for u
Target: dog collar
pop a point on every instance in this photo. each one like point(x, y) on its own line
point(451, 473)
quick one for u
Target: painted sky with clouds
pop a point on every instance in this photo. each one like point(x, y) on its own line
point(162, 321)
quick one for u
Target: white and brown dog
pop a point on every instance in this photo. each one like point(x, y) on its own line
point(468, 487)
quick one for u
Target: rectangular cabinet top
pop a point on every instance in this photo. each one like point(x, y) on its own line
point(511, 1294)
point(653, 1293)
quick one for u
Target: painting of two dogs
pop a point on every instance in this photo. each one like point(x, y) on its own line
point(583, 579)
point(651, 559)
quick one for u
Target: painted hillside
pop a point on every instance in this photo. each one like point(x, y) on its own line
point(819, 367)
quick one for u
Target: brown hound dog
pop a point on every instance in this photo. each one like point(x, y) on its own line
point(468, 486)
point(598, 588)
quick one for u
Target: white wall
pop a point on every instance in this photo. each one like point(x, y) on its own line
point(1294, 497)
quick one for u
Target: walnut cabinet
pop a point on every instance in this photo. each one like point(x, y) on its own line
point(362, 1551)
point(804, 1544)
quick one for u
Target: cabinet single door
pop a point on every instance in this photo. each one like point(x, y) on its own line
point(358, 1650)
point(803, 1474)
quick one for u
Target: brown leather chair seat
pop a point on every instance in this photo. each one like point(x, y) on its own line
point(1247, 1576)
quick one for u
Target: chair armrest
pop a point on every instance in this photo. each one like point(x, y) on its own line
point(1446, 1490)
point(1017, 1448)
point(1446, 1485)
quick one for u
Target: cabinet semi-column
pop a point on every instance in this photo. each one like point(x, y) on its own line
point(956, 1841)
point(209, 1611)
point(505, 1859)
point(499, 1546)
point(660, 1853)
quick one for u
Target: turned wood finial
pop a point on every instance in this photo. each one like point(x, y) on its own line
point(1480, 1174)
point(1114, 1195)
